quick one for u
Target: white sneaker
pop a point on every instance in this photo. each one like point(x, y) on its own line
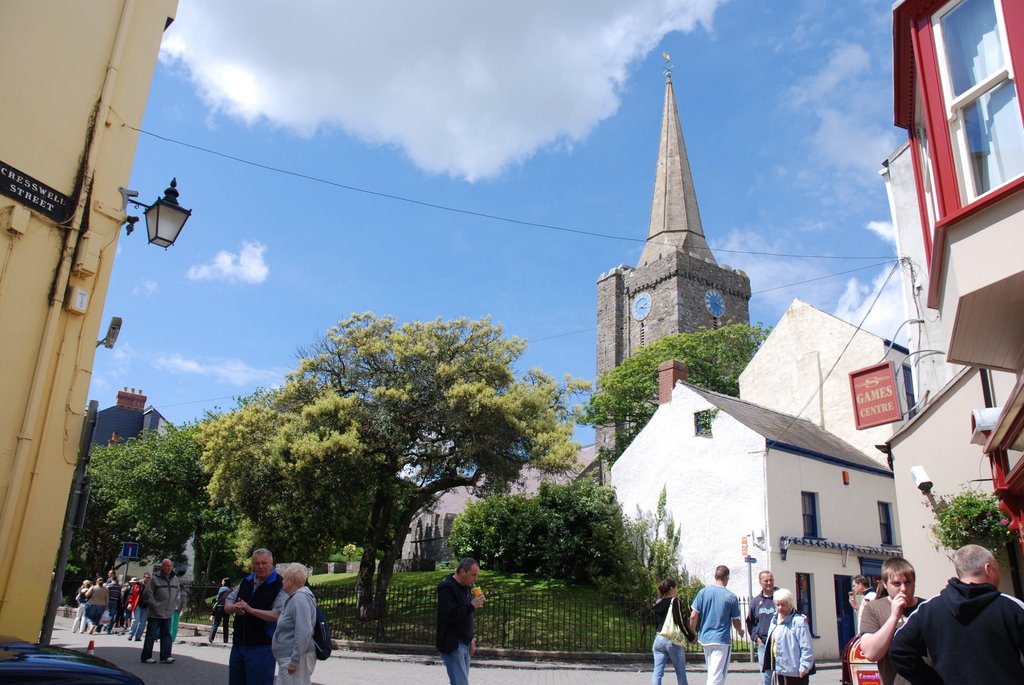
point(150, 660)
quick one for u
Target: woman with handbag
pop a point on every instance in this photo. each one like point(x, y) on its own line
point(672, 630)
point(788, 652)
point(218, 614)
point(81, 600)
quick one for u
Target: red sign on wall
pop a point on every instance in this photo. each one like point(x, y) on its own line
point(875, 398)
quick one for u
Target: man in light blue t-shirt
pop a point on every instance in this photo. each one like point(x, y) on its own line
point(714, 608)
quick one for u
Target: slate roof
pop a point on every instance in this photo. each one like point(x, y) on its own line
point(785, 429)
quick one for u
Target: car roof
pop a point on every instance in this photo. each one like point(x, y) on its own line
point(22, 661)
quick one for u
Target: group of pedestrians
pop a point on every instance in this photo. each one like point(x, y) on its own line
point(969, 634)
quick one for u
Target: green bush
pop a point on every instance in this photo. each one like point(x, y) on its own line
point(572, 532)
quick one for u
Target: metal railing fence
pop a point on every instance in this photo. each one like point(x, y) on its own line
point(520, 621)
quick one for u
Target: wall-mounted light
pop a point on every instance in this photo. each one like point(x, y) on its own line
point(164, 218)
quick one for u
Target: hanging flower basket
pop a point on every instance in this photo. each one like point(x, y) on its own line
point(971, 518)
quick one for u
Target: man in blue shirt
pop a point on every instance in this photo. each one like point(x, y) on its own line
point(713, 609)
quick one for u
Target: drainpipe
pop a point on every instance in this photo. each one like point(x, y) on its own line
point(13, 515)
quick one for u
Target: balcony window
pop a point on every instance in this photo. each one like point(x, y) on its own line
point(980, 95)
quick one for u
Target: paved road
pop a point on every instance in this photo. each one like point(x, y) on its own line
point(197, 662)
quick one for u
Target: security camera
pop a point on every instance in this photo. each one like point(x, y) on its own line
point(112, 332)
point(921, 479)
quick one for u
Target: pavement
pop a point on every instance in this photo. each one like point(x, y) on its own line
point(197, 661)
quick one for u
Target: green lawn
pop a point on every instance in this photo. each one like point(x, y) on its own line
point(520, 613)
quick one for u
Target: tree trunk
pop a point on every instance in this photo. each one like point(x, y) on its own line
point(376, 528)
point(391, 554)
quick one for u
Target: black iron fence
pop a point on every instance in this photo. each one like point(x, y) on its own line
point(521, 621)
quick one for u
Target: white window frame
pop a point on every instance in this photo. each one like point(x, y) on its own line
point(955, 106)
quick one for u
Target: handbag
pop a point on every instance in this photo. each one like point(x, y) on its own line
point(671, 630)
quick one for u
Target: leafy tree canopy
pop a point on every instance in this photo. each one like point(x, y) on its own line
point(714, 360)
point(376, 422)
point(151, 489)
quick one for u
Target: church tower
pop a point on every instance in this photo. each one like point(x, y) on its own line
point(677, 286)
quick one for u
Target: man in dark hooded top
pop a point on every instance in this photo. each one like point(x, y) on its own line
point(972, 634)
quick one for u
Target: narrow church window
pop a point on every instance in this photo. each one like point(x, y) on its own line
point(643, 334)
point(702, 421)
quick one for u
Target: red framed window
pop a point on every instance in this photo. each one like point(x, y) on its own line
point(969, 123)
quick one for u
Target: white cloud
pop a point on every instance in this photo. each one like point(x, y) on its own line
point(223, 370)
point(245, 267)
point(462, 88)
point(883, 230)
point(850, 133)
point(146, 288)
point(887, 313)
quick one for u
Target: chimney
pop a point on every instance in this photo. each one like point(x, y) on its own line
point(668, 373)
point(133, 401)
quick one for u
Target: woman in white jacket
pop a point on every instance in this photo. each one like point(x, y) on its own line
point(293, 638)
point(788, 651)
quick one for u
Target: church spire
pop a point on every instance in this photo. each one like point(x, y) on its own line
point(675, 218)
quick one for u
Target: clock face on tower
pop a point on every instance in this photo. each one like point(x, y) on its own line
point(715, 303)
point(642, 306)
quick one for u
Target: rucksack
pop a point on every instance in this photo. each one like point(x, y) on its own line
point(321, 636)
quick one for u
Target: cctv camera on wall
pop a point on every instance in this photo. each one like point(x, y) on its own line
point(921, 479)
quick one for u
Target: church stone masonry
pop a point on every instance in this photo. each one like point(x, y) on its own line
point(677, 286)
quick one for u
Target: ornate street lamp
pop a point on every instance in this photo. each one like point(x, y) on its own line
point(164, 218)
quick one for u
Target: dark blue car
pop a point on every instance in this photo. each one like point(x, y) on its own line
point(23, 662)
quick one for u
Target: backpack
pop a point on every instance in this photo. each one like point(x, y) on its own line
point(321, 636)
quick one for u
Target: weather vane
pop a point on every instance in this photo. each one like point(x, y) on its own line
point(668, 64)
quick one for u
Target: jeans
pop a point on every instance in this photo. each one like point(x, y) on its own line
point(457, 665)
point(157, 627)
point(251, 666)
point(138, 626)
point(665, 650)
point(216, 621)
point(93, 616)
point(766, 676)
point(717, 659)
point(113, 609)
point(304, 674)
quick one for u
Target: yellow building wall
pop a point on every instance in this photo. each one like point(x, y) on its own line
point(76, 74)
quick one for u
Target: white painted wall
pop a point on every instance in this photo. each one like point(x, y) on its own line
point(715, 488)
point(785, 373)
point(940, 441)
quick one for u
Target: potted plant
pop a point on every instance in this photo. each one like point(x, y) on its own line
point(968, 518)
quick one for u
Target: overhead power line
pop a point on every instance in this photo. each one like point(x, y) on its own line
point(466, 212)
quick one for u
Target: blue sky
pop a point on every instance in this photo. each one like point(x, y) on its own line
point(542, 114)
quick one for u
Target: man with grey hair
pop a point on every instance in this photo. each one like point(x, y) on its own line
point(160, 598)
point(257, 603)
point(971, 632)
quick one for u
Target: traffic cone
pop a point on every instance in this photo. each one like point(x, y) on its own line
point(91, 649)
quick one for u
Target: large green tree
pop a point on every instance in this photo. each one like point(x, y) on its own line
point(626, 395)
point(378, 420)
point(151, 489)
